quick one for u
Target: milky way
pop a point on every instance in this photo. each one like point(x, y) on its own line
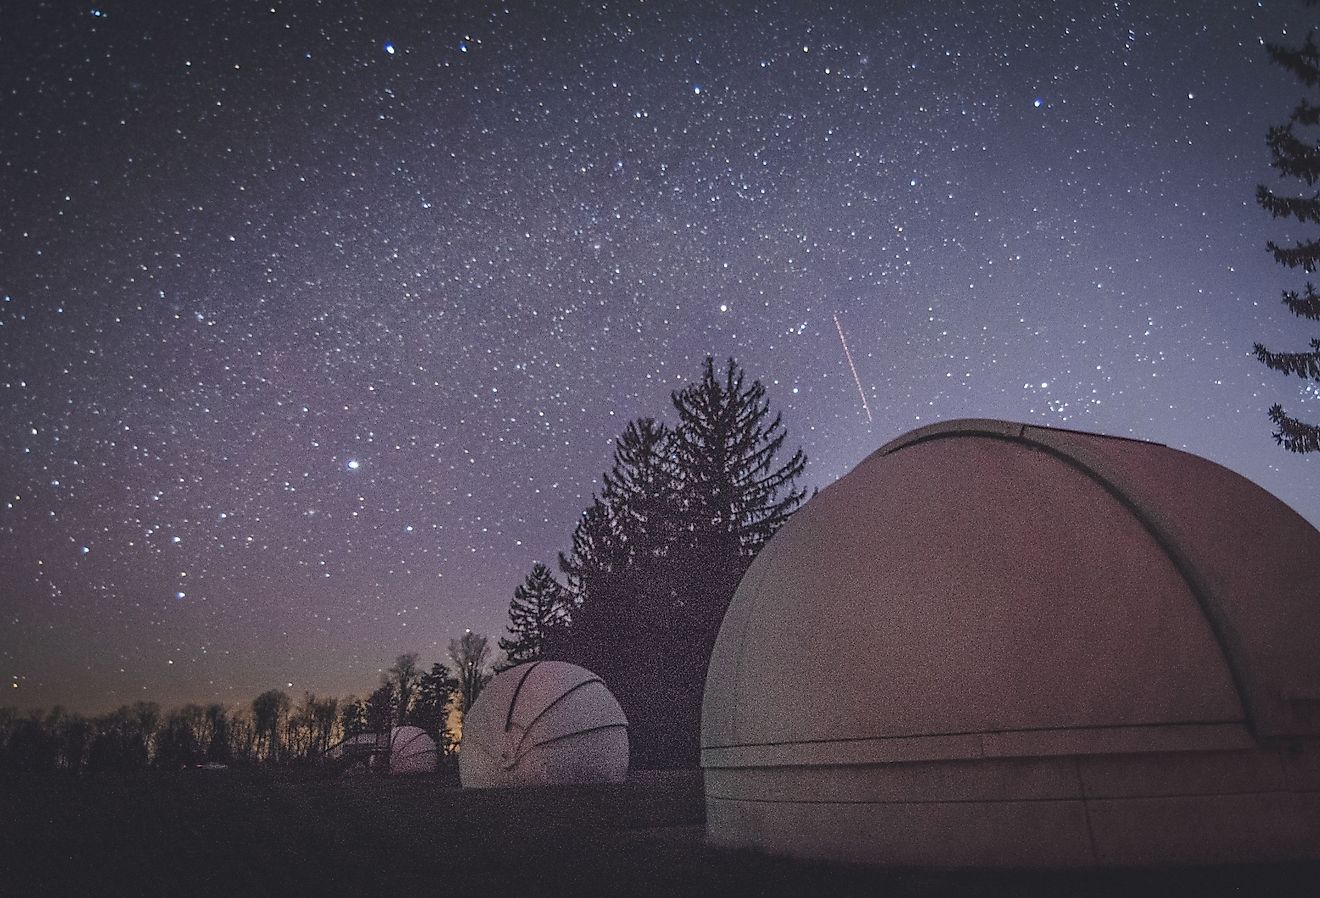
point(318, 320)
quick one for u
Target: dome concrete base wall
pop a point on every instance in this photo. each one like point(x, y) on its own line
point(1068, 811)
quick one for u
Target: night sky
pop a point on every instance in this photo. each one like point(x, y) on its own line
point(318, 320)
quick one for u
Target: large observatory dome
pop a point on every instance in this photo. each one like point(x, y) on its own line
point(996, 644)
point(543, 723)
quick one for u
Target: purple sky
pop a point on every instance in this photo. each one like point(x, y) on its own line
point(317, 325)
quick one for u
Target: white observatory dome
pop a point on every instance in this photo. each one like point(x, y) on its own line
point(992, 644)
point(544, 723)
point(412, 751)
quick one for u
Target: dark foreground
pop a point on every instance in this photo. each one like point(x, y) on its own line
point(252, 833)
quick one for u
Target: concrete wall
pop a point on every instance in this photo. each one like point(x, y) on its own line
point(1063, 811)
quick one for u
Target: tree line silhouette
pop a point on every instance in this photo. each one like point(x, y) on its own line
point(270, 730)
point(656, 557)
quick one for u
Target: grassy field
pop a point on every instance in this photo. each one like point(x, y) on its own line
point(241, 833)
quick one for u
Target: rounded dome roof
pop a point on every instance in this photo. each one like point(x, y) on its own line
point(412, 750)
point(982, 587)
point(543, 722)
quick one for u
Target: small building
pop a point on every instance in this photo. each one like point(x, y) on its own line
point(993, 644)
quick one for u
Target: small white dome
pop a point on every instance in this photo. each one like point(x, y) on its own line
point(544, 723)
point(412, 751)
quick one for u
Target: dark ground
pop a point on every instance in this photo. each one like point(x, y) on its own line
point(257, 833)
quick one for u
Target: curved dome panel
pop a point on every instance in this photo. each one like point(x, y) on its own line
point(542, 723)
point(982, 590)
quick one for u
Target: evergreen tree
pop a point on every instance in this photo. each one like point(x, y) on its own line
point(538, 611)
point(617, 572)
point(593, 571)
point(642, 490)
point(1296, 155)
point(644, 493)
point(595, 556)
point(435, 694)
point(735, 495)
point(658, 555)
point(730, 495)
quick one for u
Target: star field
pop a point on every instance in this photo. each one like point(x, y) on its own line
point(318, 320)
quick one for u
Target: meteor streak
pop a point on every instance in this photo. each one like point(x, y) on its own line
point(857, 380)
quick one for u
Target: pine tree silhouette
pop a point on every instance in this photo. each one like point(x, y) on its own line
point(1296, 156)
point(538, 611)
point(658, 555)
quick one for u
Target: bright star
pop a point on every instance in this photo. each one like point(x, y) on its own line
point(1038, 102)
point(389, 47)
point(353, 464)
